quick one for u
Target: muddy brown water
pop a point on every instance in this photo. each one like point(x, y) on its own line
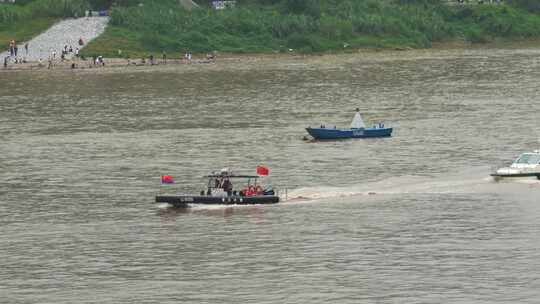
point(410, 219)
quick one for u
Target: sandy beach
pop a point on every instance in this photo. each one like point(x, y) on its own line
point(232, 61)
point(228, 61)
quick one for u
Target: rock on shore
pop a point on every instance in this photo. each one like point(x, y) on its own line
point(66, 32)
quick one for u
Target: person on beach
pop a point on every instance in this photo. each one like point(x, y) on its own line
point(187, 57)
point(211, 57)
point(76, 52)
point(164, 56)
point(12, 47)
point(26, 48)
point(5, 62)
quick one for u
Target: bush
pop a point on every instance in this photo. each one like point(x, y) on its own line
point(529, 5)
point(306, 7)
point(303, 43)
point(284, 26)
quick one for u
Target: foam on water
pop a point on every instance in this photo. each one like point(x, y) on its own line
point(473, 180)
point(216, 207)
point(164, 205)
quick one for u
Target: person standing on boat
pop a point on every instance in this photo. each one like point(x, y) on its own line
point(357, 122)
point(227, 186)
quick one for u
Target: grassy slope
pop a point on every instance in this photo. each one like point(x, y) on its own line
point(24, 30)
point(140, 31)
point(29, 18)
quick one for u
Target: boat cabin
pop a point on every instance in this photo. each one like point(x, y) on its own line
point(527, 160)
point(228, 184)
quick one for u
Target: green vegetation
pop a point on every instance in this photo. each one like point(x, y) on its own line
point(142, 27)
point(530, 5)
point(26, 19)
point(307, 26)
point(24, 32)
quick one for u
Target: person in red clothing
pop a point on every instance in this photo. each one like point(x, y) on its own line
point(251, 191)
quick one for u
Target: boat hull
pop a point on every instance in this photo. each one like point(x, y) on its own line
point(324, 133)
point(498, 176)
point(182, 201)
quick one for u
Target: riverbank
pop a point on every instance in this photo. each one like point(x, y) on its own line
point(154, 28)
point(62, 36)
point(88, 64)
point(230, 61)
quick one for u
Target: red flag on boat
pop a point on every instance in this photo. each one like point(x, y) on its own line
point(167, 179)
point(263, 170)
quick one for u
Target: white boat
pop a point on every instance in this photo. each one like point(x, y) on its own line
point(526, 165)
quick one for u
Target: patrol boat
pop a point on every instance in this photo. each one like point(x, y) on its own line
point(526, 165)
point(220, 191)
point(357, 130)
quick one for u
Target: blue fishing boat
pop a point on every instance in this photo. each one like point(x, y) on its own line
point(357, 130)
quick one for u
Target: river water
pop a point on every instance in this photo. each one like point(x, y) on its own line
point(410, 219)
